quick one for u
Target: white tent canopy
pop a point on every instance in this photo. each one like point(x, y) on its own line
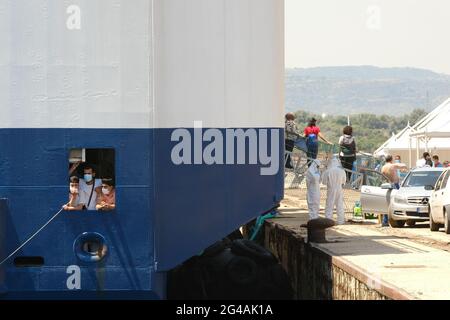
point(381, 150)
point(435, 124)
point(431, 133)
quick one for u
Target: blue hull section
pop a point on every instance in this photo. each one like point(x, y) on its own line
point(165, 213)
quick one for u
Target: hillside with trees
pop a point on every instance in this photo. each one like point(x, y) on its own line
point(370, 130)
point(351, 90)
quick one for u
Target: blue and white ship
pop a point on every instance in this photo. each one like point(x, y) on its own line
point(182, 99)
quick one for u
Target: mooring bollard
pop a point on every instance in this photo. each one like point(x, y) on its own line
point(316, 229)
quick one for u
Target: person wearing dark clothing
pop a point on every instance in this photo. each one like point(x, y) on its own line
point(291, 135)
point(425, 161)
point(348, 151)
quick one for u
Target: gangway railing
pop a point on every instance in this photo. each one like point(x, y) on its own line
point(294, 177)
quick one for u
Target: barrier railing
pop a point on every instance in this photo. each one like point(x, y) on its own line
point(295, 176)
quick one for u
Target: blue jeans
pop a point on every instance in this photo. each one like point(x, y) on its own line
point(385, 221)
point(313, 148)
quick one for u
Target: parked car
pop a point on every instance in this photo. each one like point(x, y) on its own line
point(440, 203)
point(373, 198)
point(409, 204)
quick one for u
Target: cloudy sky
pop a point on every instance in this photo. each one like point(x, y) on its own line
point(385, 33)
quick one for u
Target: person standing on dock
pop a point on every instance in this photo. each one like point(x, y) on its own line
point(313, 187)
point(425, 161)
point(436, 162)
point(390, 170)
point(335, 178)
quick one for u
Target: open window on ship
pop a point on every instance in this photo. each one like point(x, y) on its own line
point(92, 183)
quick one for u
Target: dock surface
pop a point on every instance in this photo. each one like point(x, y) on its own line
point(379, 265)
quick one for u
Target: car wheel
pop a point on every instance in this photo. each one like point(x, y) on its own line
point(410, 223)
point(446, 222)
point(394, 223)
point(433, 225)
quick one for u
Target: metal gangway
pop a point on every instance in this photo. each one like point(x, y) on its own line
point(295, 177)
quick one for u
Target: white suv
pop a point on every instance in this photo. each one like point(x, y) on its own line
point(440, 203)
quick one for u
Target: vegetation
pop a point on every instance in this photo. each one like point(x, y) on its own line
point(370, 130)
point(364, 89)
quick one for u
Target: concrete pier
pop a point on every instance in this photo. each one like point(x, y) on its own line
point(359, 263)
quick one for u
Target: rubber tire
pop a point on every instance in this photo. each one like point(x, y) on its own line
point(235, 235)
point(251, 249)
point(410, 223)
point(237, 265)
point(433, 225)
point(216, 248)
point(395, 223)
point(447, 223)
point(282, 283)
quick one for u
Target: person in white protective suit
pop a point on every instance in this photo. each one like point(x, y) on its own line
point(313, 185)
point(334, 178)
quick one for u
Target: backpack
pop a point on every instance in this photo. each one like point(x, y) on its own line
point(348, 147)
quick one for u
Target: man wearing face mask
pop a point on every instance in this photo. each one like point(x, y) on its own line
point(107, 200)
point(89, 188)
point(74, 197)
point(401, 173)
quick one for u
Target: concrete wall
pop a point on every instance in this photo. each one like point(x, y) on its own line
point(316, 275)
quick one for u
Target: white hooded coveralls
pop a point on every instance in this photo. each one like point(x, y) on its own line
point(313, 185)
point(334, 178)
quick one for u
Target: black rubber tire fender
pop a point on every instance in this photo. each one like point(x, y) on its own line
point(251, 249)
point(242, 271)
point(216, 248)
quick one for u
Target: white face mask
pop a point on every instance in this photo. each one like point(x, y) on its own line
point(106, 191)
point(73, 190)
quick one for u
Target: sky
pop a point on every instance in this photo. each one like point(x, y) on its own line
point(384, 33)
